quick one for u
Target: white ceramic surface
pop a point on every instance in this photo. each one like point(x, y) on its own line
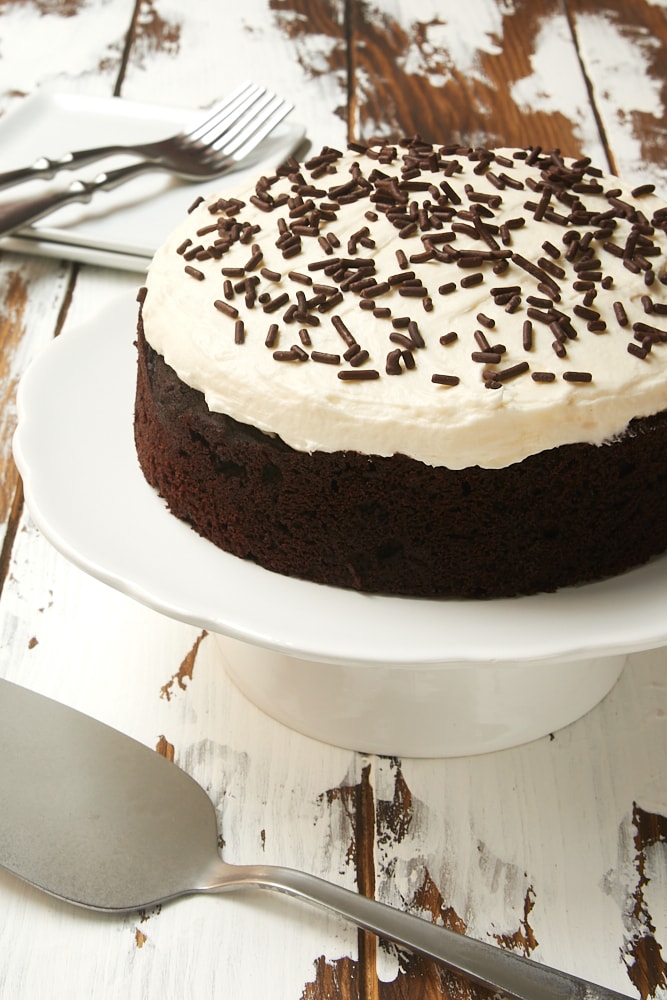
point(120, 228)
point(392, 675)
point(447, 709)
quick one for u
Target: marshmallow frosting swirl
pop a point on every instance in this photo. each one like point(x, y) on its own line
point(460, 306)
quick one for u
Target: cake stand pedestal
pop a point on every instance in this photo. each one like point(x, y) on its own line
point(419, 710)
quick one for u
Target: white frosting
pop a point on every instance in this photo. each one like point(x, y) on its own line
point(309, 407)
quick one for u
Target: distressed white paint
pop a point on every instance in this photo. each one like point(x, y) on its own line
point(618, 64)
point(556, 86)
point(41, 48)
point(111, 657)
point(448, 36)
point(217, 48)
point(554, 816)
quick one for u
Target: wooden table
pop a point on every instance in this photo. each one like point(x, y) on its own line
point(557, 849)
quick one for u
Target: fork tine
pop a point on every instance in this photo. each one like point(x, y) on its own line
point(236, 99)
point(258, 128)
point(236, 122)
point(229, 123)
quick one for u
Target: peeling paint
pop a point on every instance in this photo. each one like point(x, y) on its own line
point(448, 74)
point(523, 940)
point(61, 8)
point(154, 33)
point(165, 748)
point(184, 673)
point(12, 340)
point(51, 27)
point(625, 63)
point(395, 816)
point(347, 796)
point(338, 979)
point(642, 953)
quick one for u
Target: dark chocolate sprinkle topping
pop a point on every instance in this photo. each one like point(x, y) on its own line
point(457, 236)
point(194, 272)
point(224, 307)
point(358, 374)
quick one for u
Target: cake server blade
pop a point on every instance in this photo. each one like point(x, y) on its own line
point(91, 816)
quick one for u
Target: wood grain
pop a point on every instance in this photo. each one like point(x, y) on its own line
point(466, 74)
point(292, 47)
point(556, 850)
point(623, 50)
point(33, 295)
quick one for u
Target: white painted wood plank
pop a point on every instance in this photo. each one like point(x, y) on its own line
point(626, 68)
point(71, 637)
point(31, 296)
point(72, 47)
point(554, 819)
point(551, 822)
point(455, 45)
point(192, 57)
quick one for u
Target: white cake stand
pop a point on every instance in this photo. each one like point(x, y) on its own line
point(388, 675)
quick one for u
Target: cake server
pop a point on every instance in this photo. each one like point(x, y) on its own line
point(95, 818)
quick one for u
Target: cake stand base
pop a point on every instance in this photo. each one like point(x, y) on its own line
point(419, 710)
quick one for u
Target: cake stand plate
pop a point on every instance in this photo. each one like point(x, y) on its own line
point(389, 675)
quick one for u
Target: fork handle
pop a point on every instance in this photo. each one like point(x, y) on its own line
point(484, 963)
point(16, 214)
point(45, 168)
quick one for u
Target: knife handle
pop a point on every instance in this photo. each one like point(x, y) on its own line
point(45, 168)
point(16, 214)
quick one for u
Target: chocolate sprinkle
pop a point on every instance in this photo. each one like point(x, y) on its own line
point(325, 358)
point(358, 374)
point(449, 338)
point(486, 357)
point(511, 372)
point(272, 335)
point(451, 231)
point(472, 279)
point(194, 272)
point(225, 308)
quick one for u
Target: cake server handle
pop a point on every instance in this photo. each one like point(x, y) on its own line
point(21, 212)
point(486, 964)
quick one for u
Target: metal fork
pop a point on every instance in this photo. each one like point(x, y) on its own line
point(45, 168)
point(211, 149)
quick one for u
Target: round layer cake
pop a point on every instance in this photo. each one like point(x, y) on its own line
point(414, 369)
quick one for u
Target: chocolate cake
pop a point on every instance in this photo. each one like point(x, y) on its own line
point(416, 370)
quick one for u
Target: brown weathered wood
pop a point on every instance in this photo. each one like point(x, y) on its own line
point(12, 331)
point(417, 66)
point(448, 90)
point(337, 980)
point(32, 293)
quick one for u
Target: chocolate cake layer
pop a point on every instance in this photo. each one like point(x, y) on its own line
point(394, 525)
